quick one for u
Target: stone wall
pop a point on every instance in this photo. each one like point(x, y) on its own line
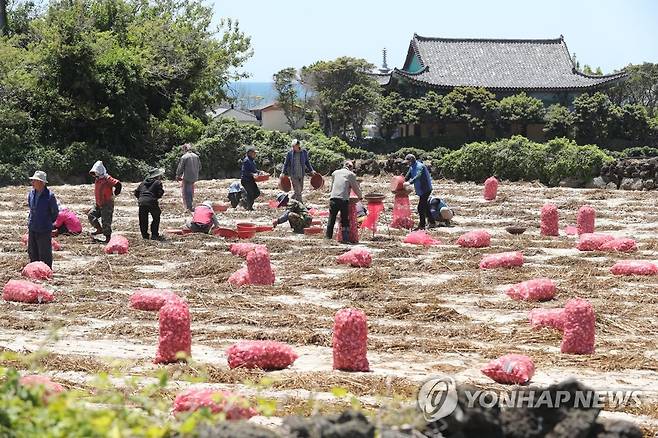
point(629, 174)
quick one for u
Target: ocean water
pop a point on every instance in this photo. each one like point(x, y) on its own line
point(253, 94)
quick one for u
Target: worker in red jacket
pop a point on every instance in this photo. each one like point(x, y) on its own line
point(105, 189)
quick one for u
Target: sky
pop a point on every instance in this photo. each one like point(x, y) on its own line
point(295, 33)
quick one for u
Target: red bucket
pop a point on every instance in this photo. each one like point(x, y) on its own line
point(246, 234)
point(317, 182)
point(225, 232)
point(284, 183)
point(246, 226)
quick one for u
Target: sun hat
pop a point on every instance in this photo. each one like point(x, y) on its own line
point(154, 173)
point(446, 213)
point(251, 148)
point(40, 175)
point(294, 142)
point(282, 200)
point(410, 157)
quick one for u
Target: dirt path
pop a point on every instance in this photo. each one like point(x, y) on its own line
point(430, 310)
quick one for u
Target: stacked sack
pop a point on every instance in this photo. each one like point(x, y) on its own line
point(259, 268)
point(350, 340)
point(577, 323)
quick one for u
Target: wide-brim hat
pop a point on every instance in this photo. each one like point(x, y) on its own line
point(154, 173)
point(282, 200)
point(40, 175)
point(446, 213)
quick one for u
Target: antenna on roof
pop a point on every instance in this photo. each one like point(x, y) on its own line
point(384, 68)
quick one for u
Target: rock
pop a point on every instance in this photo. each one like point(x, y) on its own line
point(611, 186)
point(348, 424)
point(631, 184)
point(649, 184)
point(230, 429)
point(572, 182)
point(467, 421)
point(596, 183)
point(616, 429)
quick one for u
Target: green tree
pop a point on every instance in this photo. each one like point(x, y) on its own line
point(286, 84)
point(558, 122)
point(521, 108)
point(634, 122)
point(640, 88)
point(474, 106)
point(4, 26)
point(389, 114)
point(593, 117)
point(344, 94)
point(106, 72)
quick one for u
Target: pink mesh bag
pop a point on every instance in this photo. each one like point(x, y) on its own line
point(233, 406)
point(502, 260)
point(117, 245)
point(538, 289)
point(579, 327)
point(357, 257)
point(242, 249)
point(259, 267)
point(420, 237)
point(402, 212)
point(151, 299)
point(514, 369)
point(37, 271)
point(549, 225)
point(634, 267)
point(475, 239)
point(266, 355)
point(490, 188)
point(592, 241)
point(350, 340)
point(50, 388)
point(585, 219)
point(547, 318)
point(26, 292)
point(175, 342)
point(239, 277)
point(619, 245)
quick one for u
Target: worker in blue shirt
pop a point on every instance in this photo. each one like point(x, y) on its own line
point(247, 175)
point(43, 212)
point(419, 176)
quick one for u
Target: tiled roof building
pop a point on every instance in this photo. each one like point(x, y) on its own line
point(542, 68)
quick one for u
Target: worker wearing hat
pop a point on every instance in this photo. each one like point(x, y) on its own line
point(296, 214)
point(440, 212)
point(295, 166)
point(247, 175)
point(148, 193)
point(43, 212)
point(419, 176)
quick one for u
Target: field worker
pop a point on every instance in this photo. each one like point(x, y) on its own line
point(147, 193)
point(439, 211)
point(296, 214)
point(361, 212)
point(419, 176)
point(343, 181)
point(43, 212)
point(67, 223)
point(296, 165)
point(187, 173)
point(247, 175)
point(236, 193)
point(203, 218)
point(100, 216)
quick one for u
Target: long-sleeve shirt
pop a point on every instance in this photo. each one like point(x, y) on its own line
point(248, 168)
point(342, 182)
point(296, 163)
point(189, 167)
point(43, 210)
point(420, 177)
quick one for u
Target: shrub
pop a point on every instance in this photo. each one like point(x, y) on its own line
point(518, 158)
point(644, 151)
point(325, 161)
point(558, 122)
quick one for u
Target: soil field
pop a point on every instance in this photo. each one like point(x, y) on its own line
point(430, 310)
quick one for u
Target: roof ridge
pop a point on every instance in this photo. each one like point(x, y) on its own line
point(492, 40)
point(609, 75)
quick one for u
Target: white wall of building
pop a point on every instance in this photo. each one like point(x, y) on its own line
point(274, 119)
